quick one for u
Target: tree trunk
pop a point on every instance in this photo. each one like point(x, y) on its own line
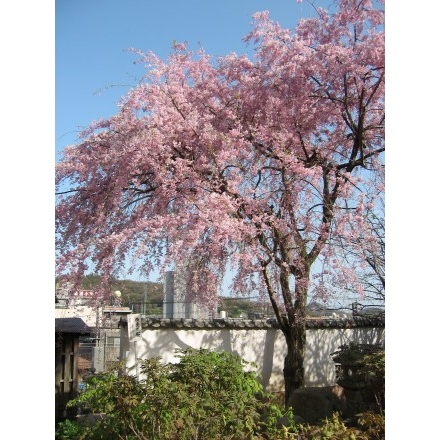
point(295, 335)
point(294, 360)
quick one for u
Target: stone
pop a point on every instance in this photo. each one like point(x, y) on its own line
point(315, 403)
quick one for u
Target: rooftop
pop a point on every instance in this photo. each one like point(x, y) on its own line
point(71, 325)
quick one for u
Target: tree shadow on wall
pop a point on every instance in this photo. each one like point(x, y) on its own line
point(321, 343)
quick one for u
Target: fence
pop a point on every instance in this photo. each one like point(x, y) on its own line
point(256, 340)
point(99, 354)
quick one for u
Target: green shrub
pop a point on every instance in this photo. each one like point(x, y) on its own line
point(206, 395)
point(68, 430)
point(217, 398)
point(371, 427)
point(111, 401)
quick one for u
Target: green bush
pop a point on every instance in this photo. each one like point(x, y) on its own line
point(110, 402)
point(373, 424)
point(206, 395)
point(371, 427)
point(70, 430)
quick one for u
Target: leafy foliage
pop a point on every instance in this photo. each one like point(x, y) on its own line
point(69, 430)
point(373, 424)
point(336, 429)
point(206, 395)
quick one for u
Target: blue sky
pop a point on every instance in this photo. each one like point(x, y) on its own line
point(93, 68)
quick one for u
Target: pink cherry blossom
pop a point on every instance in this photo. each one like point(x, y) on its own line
point(262, 163)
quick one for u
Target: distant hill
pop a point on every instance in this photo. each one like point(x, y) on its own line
point(135, 294)
point(147, 298)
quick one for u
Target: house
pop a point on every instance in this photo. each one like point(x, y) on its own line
point(67, 333)
point(87, 337)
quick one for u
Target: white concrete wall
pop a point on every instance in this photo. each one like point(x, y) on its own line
point(265, 347)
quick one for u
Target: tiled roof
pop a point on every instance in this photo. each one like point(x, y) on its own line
point(71, 325)
point(326, 322)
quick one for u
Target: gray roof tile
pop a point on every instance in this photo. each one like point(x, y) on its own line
point(71, 325)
